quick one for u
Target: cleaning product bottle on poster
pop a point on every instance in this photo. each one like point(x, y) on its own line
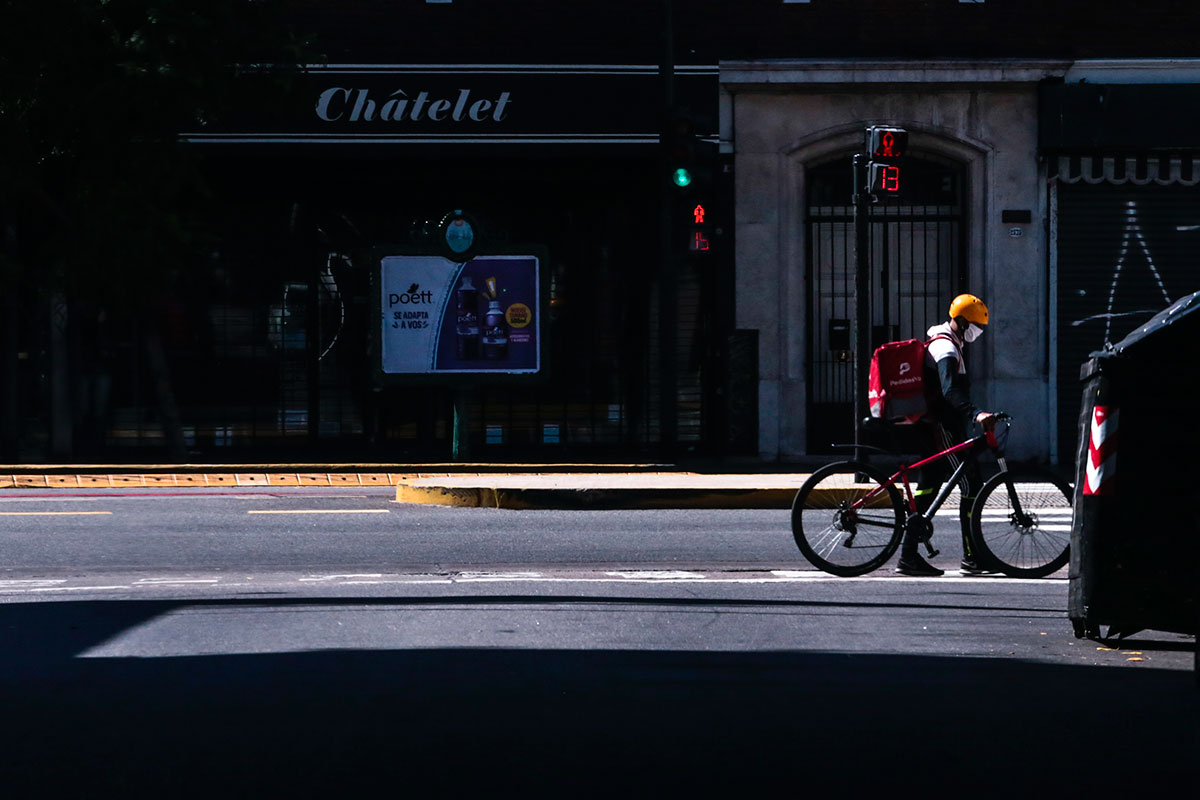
point(495, 333)
point(467, 327)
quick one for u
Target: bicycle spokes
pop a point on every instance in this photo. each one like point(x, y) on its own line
point(847, 519)
point(1022, 521)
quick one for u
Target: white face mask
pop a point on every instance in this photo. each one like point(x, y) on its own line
point(973, 332)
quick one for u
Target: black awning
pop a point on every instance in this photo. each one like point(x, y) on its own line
point(1106, 119)
point(1139, 169)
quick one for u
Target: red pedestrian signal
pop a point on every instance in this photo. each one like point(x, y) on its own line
point(885, 149)
point(887, 142)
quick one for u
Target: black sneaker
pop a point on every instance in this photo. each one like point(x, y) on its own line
point(970, 567)
point(915, 565)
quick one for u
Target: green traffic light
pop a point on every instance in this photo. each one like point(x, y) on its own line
point(681, 177)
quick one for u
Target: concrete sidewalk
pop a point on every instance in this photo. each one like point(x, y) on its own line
point(607, 491)
point(484, 485)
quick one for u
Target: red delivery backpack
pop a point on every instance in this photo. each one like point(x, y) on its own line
point(896, 386)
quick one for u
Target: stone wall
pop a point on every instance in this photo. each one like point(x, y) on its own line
point(782, 116)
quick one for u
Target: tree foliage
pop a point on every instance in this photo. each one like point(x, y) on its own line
point(97, 191)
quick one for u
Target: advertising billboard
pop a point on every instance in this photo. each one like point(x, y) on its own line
point(441, 317)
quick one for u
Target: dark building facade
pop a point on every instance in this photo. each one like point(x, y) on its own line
point(559, 166)
point(662, 320)
point(267, 344)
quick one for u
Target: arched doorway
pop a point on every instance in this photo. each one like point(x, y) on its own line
point(918, 262)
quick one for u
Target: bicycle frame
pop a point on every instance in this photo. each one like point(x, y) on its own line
point(901, 475)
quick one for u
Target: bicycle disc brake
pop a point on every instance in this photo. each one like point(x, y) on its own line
point(845, 520)
point(1025, 523)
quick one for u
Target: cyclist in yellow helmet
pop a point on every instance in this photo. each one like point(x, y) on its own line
point(949, 421)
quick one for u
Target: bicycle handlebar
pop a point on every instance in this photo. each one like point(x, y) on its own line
point(992, 441)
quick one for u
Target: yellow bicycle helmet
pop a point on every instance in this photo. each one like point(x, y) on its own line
point(970, 307)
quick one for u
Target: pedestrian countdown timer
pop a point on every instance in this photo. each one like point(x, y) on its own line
point(884, 179)
point(885, 146)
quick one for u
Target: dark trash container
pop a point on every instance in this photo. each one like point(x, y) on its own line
point(1136, 524)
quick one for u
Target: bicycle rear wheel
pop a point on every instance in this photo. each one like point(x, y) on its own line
point(837, 537)
point(1028, 538)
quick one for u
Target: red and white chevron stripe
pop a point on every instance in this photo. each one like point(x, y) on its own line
point(1102, 451)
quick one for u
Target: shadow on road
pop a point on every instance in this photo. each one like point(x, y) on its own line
point(564, 722)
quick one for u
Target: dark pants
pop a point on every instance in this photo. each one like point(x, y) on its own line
point(936, 437)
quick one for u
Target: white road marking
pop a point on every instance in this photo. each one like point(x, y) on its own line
point(322, 511)
point(817, 575)
point(1058, 513)
point(76, 588)
point(342, 577)
point(13, 587)
point(382, 582)
point(162, 581)
point(658, 575)
point(497, 576)
point(52, 513)
point(54, 498)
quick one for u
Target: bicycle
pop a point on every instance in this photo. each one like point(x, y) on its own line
point(849, 517)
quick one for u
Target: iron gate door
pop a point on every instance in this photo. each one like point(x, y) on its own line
point(917, 262)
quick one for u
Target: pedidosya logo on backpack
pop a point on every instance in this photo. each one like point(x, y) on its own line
point(904, 368)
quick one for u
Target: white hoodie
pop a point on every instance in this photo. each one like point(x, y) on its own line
point(941, 348)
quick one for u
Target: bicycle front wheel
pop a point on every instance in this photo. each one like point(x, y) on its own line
point(847, 519)
point(1021, 522)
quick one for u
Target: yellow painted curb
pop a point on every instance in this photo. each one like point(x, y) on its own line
point(444, 496)
point(193, 480)
point(108, 476)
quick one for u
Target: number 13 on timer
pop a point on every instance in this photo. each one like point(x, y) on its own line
point(885, 179)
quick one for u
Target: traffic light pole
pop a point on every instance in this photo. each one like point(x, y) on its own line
point(667, 275)
point(876, 177)
point(860, 331)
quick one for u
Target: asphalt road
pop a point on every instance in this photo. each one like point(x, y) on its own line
point(363, 529)
point(300, 642)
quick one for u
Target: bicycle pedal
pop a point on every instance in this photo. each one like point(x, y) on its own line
point(930, 552)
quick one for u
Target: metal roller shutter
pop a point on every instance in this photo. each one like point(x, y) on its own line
point(1124, 253)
